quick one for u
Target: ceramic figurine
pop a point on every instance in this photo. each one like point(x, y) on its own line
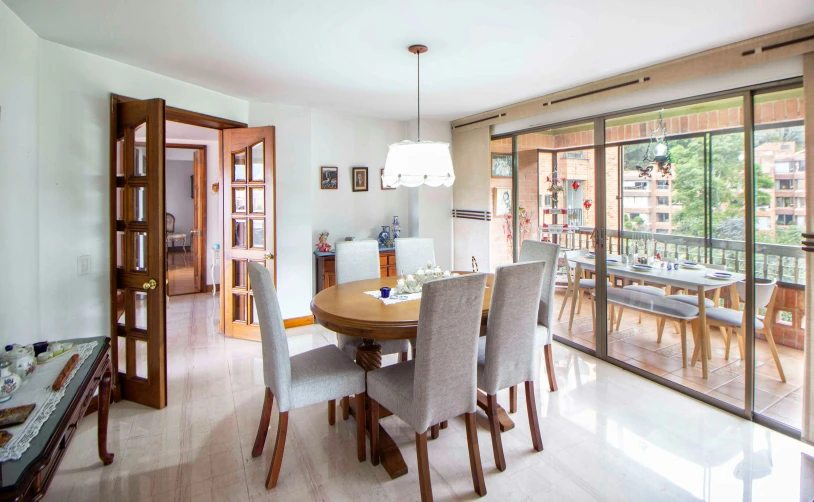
point(322, 245)
point(9, 382)
point(384, 236)
point(396, 227)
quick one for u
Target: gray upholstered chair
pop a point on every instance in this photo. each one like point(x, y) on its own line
point(440, 383)
point(549, 253)
point(413, 253)
point(508, 352)
point(316, 376)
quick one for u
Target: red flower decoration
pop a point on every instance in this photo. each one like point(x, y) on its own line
point(587, 204)
point(575, 185)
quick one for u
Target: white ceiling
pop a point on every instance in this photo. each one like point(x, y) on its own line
point(351, 56)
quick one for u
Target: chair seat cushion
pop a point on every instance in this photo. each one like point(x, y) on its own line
point(729, 317)
point(392, 387)
point(348, 345)
point(544, 335)
point(692, 300)
point(649, 290)
point(589, 283)
point(323, 374)
point(174, 236)
point(651, 304)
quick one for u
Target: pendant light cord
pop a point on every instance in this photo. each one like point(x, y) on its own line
point(418, 86)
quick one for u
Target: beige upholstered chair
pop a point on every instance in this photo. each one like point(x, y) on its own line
point(316, 376)
point(172, 235)
point(440, 383)
point(508, 353)
point(413, 253)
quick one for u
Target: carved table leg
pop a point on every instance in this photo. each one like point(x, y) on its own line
point(369, 357)
point(104, 408)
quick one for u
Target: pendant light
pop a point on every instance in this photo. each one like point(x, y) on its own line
point(415, 163)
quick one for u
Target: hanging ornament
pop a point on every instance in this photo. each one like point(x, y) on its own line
point(660, 157)
point(575, 185)
point(587, 204)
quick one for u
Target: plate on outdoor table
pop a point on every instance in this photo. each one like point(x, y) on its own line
point(613, 262)
point(641, 267)
point(590, 256)
point(691, 264)
point(719, 275)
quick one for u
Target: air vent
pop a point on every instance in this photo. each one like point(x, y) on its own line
point(480, 120)
point(777, 45)
point(469, 214)
point(597, 91)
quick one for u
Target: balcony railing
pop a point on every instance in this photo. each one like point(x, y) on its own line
point(772, 261)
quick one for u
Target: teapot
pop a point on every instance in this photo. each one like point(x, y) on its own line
point(21, 359)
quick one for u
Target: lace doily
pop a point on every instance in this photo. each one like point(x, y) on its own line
point(38, 391)
point(394, 298)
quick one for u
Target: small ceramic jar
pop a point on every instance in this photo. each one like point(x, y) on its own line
point(9, 382)
point(21, 359)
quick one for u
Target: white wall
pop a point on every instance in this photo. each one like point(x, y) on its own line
point(178, 201)
point(73, 138)
point(19, 239)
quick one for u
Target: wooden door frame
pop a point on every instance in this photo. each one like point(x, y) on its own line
point(200, 195)
point(175, 115)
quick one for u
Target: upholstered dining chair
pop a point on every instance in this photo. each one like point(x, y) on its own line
point(550, 254)
point(507, 354)
point(316, 376)
point(172, 235)
point(413, 253)
point(440, 383)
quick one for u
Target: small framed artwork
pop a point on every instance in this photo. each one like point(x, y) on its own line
point(359, 175)
point(381, 179)
point(501, 165)
point(502, 200)
point(328, 178)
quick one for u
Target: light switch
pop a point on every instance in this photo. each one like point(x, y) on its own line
point(83, 265)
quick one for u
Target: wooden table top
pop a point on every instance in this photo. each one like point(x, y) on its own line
point(346, 309)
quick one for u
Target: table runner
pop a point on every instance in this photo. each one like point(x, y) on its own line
point(394, 298)
point(38, 391)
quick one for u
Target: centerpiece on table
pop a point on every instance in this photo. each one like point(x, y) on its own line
point(413, 283)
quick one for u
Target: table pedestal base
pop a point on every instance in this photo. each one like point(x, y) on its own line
point(505, 423)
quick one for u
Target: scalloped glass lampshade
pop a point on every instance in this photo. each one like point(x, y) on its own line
point(415, 163)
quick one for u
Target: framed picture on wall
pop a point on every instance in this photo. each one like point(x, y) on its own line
point(328, 178)
point(502, 201)
point(359, 176)
point(501, 165)
point(381, 180)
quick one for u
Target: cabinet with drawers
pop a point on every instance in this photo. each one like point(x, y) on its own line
point(326, 267)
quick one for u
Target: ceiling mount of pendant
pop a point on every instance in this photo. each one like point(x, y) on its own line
point(418, 49)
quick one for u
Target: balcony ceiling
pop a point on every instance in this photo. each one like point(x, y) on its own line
point(351, 56)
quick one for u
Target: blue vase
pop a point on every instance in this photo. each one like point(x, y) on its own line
point(396, 227)
point(384, 236)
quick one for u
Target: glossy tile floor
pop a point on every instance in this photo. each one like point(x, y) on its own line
point(608, 435)
point(180, 272)
point(635, 343)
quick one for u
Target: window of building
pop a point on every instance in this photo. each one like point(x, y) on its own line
point(784, 185)
point(784, 201)
point(785, 219)
point(801, 166)
point(663, 200)
point(663, 217)
point(783, 167)
point(663, 184)
point(801, 202)
point(801, 220)
point(635, 185)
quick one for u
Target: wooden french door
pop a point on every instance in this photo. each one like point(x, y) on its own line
point(138, 328)
point(248, 222)
point(198, 244)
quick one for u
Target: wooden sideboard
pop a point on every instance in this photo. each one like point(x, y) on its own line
point(326, 267)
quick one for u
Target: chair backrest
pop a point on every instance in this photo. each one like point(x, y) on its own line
point(511, 328)
point(449, 320)
point(276, 363)
point(169, 222)
point(357, 261)
point(550, 254)
point(413, 253)
point(764, 292)
point(715, 266)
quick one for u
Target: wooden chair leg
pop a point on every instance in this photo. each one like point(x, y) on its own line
point(263, 428)
point(534, 423)
point(424, 483)
point(374, 431)
point(549, 367)
point(434, 431)
point(741, 344)
point(444, 424)
point(593, 313)
point(773, 347)
point(361, 448)
point(332, 411)
point(727, 340)
point(611, 318)
point(402, 357)
point(683, 326)
point(279, 448)
point(579, 306)
point(494, 429)
point(345, 405)
point(619, 317)
point(568, 294)
point(676, 327)
point(474, 455)
point(660, 327)
point(513, 399)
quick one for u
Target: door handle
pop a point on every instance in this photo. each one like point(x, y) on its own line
point(151, 284)
point(268, 256)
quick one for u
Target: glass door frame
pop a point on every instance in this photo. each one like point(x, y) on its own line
point(601, 231)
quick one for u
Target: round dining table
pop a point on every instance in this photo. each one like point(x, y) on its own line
point(349, 310)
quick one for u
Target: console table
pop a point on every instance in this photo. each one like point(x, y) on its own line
point(326, 267)
point(29, 477)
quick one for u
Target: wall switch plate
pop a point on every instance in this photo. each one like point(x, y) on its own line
point(83, 265)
